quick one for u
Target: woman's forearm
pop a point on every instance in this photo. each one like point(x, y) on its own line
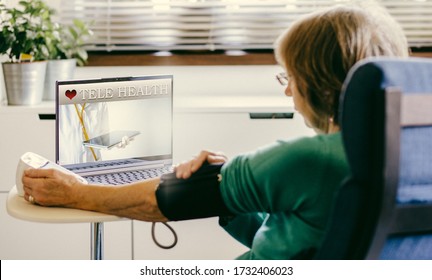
point(134, 201)
point(50, 187)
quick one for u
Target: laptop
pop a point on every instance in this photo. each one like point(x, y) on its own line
point(115, 130)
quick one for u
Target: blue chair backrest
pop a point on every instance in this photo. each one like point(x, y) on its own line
point(358, 213)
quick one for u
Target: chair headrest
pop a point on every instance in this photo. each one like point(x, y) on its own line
point(361, 109)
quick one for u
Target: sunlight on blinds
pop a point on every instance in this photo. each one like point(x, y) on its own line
point(216, 24)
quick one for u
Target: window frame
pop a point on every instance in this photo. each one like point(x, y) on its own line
point(196, 59)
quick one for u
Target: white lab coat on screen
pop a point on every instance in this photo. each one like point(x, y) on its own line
point(71, 136)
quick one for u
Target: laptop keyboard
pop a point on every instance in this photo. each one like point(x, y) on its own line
point(102, 164)
point(128, 176)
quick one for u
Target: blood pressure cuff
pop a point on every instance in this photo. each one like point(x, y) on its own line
point(193, 198)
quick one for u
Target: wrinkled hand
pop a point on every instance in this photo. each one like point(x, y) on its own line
point(185, 169)
point(49, 187)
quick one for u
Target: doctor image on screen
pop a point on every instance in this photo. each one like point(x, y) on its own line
point(79, 123)
point(95, 118)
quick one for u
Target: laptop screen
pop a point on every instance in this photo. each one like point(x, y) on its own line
point(106, 120)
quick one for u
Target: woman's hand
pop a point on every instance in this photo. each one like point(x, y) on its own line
point(185, 169)
point(49, 187)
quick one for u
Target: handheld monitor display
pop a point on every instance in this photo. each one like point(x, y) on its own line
point(111, 139)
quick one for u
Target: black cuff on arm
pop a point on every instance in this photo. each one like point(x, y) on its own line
point(193, 198)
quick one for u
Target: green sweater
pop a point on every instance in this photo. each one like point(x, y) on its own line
point(282, 195)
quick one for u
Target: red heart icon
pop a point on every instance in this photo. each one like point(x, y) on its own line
point(70, 94)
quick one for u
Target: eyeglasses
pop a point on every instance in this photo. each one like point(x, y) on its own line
point(282, 78)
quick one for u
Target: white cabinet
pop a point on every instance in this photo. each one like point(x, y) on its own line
point(24, 129)
point(232, 133)
point(27, 240)
point(32, 241)
point(201, 239)
point(233, 125)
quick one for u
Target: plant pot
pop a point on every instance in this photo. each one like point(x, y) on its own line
point(24, 82)
point(57, 70)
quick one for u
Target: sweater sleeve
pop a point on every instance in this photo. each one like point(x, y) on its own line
point(281, 177)
point(243, 227)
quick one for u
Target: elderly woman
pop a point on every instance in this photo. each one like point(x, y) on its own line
point(280, 195)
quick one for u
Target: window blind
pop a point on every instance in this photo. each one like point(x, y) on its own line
point(158, 25)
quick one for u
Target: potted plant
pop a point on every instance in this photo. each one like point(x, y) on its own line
point(25, 39)
point(65, 52)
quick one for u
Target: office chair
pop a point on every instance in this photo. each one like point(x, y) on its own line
point(384, 209)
